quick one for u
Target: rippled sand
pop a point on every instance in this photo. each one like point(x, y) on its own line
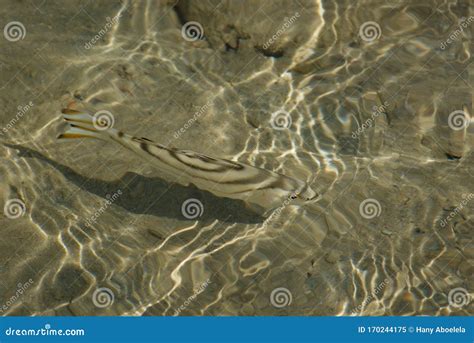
point(104, 234)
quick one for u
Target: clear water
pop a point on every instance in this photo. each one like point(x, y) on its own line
point(305, 88)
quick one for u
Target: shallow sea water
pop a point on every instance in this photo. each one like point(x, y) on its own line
point(362, 112)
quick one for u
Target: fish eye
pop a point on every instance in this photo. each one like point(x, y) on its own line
point(293, 196)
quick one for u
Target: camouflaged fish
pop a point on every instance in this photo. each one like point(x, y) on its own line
point(224, 178)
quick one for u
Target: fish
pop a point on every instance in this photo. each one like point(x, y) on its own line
point(263, 189)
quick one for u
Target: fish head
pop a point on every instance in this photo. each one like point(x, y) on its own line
point(287, 191)
point(303, 194)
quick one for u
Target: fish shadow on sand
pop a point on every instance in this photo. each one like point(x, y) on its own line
point(153, 195)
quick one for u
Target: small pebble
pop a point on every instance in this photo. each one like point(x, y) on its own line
point(332, 257)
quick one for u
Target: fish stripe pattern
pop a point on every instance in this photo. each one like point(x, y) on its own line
point(222, 177)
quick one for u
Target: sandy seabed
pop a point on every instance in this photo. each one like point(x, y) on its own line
point(355, 99)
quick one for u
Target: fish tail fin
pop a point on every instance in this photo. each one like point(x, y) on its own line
point(83, 125)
